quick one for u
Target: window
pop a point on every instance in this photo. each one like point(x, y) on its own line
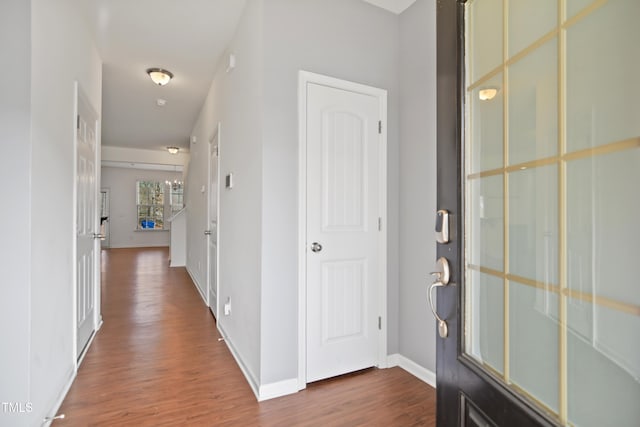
point(150, 205)
point(176, 197)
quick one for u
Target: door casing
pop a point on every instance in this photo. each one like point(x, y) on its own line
point(105, 242)
point(305, 78)
point(214, 144)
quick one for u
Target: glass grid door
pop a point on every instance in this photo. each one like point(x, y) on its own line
point(552, 168)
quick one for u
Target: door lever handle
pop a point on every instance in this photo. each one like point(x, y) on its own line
point(98, 236)
point(442, 280)
point(207, 232)
point(443, 329)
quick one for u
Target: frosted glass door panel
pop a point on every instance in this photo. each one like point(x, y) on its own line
point(576, 6)
point(603, 387)
point(604, 89)
point(533, 348)
point(529, 21)
point(486, 27)
point(486, 202)
point(485, 340)
point(533, 224)
point(487, 126)
point(552, 191)
point(604, 339)
point(533, 105)
point(602, 231)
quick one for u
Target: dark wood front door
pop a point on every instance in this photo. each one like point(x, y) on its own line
point(538, 147)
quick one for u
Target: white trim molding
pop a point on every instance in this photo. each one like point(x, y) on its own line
point(215, 136)
point(57, 404)
point(277, 389)
point(413, 368)
point(304, 79)
point(251, 379)
point(196, 283)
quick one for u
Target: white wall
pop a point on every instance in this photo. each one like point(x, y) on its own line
point(417, 180)
point(257, 104)
point(351, 40)
point(62, 52)
point(15, 211)
point(235, 100)
point(123, 216)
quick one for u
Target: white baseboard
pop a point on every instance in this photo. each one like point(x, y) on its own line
point(278, 389)
point(72, 376)
point(413, 368)
point(85, 350)
point(197, 285)
point(262, 392)
point(137, 245)
point(58, 402)
point(253, 383)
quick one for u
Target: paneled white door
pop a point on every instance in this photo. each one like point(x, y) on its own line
point(343, 236)
point(212, 231)
point(87, 223)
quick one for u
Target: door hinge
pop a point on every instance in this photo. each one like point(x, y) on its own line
point(380, 126)
point(379, 224)
point(78, 122)
point(380, 323)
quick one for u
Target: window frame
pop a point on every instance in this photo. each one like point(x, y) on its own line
point(159, 188)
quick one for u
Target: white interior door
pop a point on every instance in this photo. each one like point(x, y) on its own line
point(343, 215)
point(213, 225)
point(87, 222)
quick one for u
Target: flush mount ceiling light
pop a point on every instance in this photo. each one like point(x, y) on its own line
point(159, 76)
point(173, 150)
point(487, 93)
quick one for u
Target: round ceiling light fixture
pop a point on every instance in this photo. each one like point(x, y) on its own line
point(160, 76)
point(173, 150)
point(487, 93)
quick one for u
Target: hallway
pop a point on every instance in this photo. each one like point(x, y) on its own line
point(157, 361)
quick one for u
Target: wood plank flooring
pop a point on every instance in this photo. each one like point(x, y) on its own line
point(157, 361)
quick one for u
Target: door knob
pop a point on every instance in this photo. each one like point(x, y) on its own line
point(316, 247)
point(98, 236)
point(442, 276)
point(207, 232)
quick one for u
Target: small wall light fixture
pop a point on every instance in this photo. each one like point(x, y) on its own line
point(487, 93)
point(160, 76)
point(173, 150)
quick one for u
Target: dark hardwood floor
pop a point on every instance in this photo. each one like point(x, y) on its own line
point(157, 361)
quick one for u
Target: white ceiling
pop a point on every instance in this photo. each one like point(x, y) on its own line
point(186, 37)
point(395, 6)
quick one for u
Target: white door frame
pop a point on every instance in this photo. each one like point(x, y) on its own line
point(107, 235)
point(215, 136)
point(97, 315)
point(305, 78)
